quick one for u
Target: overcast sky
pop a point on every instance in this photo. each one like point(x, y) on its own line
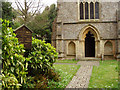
point(45, 2)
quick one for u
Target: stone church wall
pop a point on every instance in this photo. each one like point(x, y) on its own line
point(68, 28)
point(106, 30)
point(68, 11)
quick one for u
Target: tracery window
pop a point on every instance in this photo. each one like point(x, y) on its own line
point(89, 10)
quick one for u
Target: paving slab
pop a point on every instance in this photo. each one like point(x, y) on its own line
point(82, 77)
point(88, 63)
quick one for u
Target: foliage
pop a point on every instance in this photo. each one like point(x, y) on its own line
point(7, 12)
point(39, 25)
point(30, 82)
point(105, 75)
point(16, 24)
point(117, 69)
point(66, 73)
point(41, 81)
point(10, 81)
point(42, 56)
point(14, 65)
point(52, 15)
point(53, 75)
point(42, 23)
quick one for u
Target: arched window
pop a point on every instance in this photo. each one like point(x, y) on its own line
point(81, 11)
point(86, 11)
point(108, 48)
point(91, 10)
point(96, 10)
point(71, 48)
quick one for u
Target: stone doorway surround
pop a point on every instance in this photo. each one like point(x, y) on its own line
point(82, 36)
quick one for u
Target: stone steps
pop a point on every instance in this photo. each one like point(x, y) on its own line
point(90, 59)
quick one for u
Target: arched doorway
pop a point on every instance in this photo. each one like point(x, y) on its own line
point(89, 38)
point(89, 45)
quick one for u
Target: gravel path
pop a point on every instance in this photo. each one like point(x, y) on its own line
point(82, 77)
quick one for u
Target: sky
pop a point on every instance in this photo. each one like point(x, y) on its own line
point(45, 2)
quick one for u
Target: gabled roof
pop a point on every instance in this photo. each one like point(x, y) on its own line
point(21, 27)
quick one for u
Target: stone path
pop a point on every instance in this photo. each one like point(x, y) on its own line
point(82, 77)
point(88, 63)
point(93, 63)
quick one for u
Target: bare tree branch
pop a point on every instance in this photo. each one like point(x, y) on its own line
point(19, 7)
point(29, 7)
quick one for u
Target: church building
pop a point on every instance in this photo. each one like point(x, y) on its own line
point(87, 29)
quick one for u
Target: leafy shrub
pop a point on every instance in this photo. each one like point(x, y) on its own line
point(14, 65)
point(53, 75)
point(42, 56)
point(41, 81)
point(29, 83)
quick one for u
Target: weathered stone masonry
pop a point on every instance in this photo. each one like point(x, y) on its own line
point(71, 33)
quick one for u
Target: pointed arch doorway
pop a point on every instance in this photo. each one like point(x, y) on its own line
point(89, 41)
point(89, 45)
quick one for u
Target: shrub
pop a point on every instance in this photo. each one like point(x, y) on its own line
point(42, 56)
point(41, 81)
point(14, 65)
point(53, 75)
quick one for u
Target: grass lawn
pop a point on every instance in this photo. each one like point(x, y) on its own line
point(105, 75)
point(66, 74)
point(67, 61)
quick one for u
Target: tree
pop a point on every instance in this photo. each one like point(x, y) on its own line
point(42, 23)
point(28, 8)
point(7, 12)
point(52, 15)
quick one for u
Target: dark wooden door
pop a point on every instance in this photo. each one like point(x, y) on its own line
point(89, 45)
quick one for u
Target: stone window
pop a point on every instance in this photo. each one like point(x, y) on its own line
point(97, 10)
point(81, 11)
point(86, 11)
point(89, 10)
